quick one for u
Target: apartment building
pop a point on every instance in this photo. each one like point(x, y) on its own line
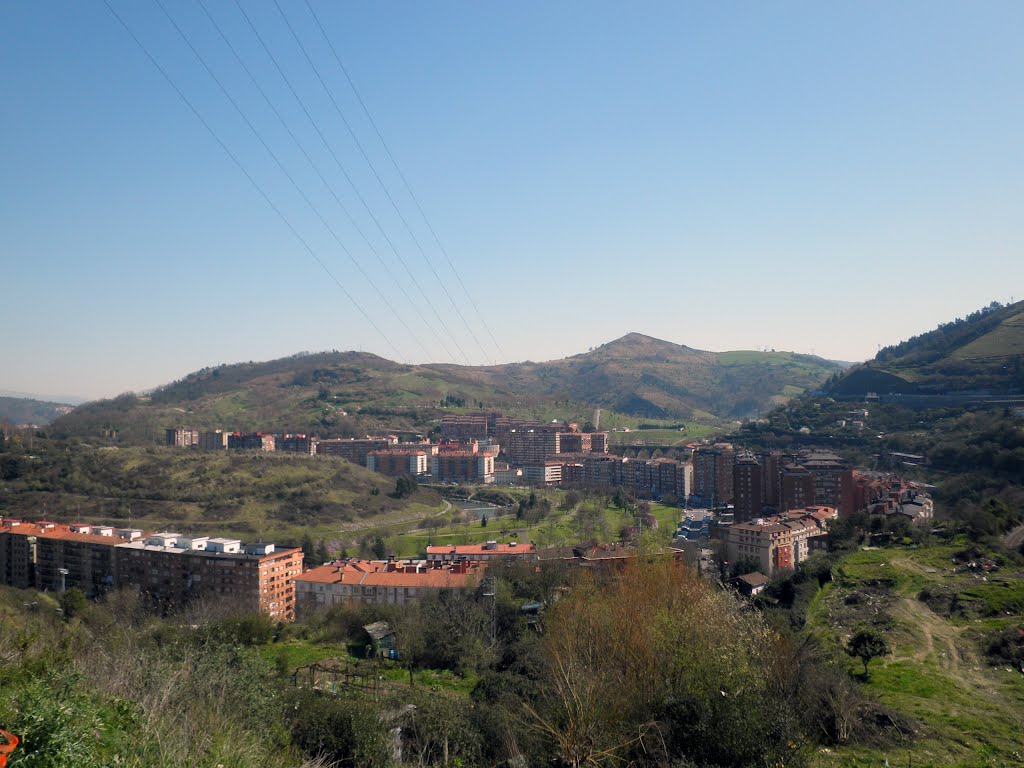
point(396, 462)
point(503, 426)
point(357, 582)
point(181, 437)
point(712, 473)
point(215, 440)
point(66, 559)
point(531, 446)
point(603, 469)
point(169, 568)
point(469, 426)
point(780, 543)
point(173, 571)
point(254, 441)
point(462, 467)
point(354, 449)
point(833, 480)
point(504, 474)
point(748, 498)
point(18, 553)
point(797, 488)
point(573, 472)
point(304, 444)
point(546, 473)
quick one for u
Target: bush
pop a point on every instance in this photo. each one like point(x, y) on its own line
point(349, 732)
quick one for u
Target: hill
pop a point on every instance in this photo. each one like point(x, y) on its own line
point(25, 410)
point(646, 377)
point(250, 495)
point(981, 352)
point(954, 639)
point(350, 393)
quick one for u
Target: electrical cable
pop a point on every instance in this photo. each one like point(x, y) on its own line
point(405, 182)
point(249, 176)
point(330, 188)
point(380, 181)
point(348, 178)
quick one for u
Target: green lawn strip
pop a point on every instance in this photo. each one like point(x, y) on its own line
point(293, 654)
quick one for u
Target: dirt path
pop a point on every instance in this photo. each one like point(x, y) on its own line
point(941, 644)
point(1014, 538)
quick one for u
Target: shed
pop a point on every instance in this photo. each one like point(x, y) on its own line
point(751, 583)
point(381, 638)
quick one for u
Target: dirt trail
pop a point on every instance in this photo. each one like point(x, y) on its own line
point(941, 642)
point(1014, 538)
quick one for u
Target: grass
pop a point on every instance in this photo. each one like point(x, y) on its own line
point(968, 712)
point(999, 597)
point(292, 654)
point(249, 495)
point(665, 437)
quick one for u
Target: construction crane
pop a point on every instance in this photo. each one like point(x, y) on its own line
point(8, 742)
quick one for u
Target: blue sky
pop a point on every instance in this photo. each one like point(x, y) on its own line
point(803, 176)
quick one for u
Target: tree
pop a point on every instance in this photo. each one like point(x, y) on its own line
point(410, 634)
point(322, 555)
point(654, 667)
point(404, 486)
point(570, 501)
point(378, 548)
point(308, 551)
point(867, 644)
point(73, 602)
point(483, 521)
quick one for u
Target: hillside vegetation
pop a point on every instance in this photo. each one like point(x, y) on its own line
point(644, 376)
point(25, 410)
point(636, 378)
point(983, 351)
point(651, 667)
point(251, 495)
point(956, 654)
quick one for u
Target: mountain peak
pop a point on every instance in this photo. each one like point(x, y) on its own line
point(640, 344)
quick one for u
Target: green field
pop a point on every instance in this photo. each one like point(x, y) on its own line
point(664, 437)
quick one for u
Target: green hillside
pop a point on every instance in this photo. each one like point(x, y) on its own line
point(635, 378)
point(983, 351)
point(251, 495)
point(25, 410)
point(647, 377)
point(953, 635)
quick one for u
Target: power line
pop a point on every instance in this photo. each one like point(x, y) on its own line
point(277, 113)
point(277, 160)
point(376, 175)
point(348, 178)
point(405, 183)
point(249, 176)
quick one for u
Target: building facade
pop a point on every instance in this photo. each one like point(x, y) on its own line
point(462, 467)
point(398, 463)
point(747, 490)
